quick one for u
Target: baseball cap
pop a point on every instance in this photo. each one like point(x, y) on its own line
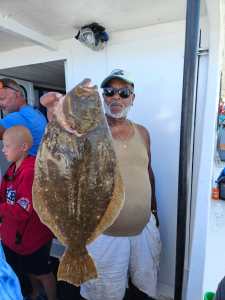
point(12, 84)
point(118, 74)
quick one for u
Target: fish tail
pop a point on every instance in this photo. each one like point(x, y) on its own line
point(76, 269)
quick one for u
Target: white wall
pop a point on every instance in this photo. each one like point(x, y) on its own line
point(154, 55)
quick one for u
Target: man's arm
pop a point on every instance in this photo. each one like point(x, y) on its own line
point(144, 133)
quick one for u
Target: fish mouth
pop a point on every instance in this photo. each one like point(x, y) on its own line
point(85, 88)
point(50, 99)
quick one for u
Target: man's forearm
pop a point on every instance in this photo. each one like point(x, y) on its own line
point(152, 181)
point(153, 200)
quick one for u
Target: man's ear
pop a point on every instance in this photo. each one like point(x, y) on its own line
point(25, 147)
point(19, 95)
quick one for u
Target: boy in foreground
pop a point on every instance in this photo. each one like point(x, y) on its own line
point(25, 240)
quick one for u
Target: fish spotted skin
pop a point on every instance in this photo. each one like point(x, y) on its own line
point(78, 191)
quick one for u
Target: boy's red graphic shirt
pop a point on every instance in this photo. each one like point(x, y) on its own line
point(16, 211)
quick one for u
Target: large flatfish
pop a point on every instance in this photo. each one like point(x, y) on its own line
point(77, 190)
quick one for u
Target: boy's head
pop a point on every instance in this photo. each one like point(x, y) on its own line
point(17, 140)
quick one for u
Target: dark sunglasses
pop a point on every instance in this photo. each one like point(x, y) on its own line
point(122, 92)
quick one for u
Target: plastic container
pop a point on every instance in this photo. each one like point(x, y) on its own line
point(209, 296)
point(215, 193)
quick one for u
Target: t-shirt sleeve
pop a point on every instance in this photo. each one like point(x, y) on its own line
point(10, 120)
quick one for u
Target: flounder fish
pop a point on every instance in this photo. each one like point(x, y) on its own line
point(77, 191)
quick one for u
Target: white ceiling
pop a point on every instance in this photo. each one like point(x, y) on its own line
point(11, 40)
point(57, 19)
point(29, 22)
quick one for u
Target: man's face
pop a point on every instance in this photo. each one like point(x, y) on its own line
point(8, 100)
point(117, 106)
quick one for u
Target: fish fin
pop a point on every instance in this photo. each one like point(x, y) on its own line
point(113, 209)
point(76, 268)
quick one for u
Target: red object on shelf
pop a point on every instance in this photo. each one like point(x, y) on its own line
point(215, 193)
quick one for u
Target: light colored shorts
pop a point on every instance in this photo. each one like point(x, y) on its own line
point(118, 258)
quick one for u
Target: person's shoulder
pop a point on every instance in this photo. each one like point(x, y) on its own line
point(141, 127)
point(144, 134)
point(143, 130)
point(12, 114)
point(29, 161)
point(30, 110)
point(27, 166)
point(10, 120)
point(27, 109)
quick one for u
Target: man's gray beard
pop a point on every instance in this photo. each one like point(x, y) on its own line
point(120, 115)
